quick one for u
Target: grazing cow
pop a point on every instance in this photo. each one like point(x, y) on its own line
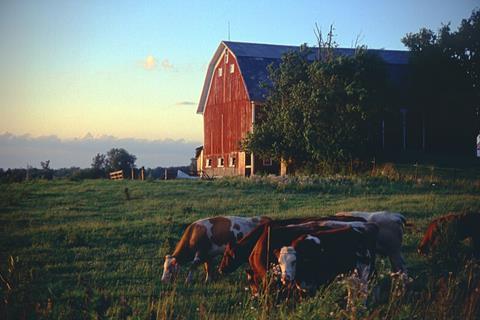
point(271, 239)
point(464, 225)
point(317, 258)
point(390, 235)
point(237, 253)
point(205, 239)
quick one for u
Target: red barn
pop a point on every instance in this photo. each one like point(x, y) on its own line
point(232, 95)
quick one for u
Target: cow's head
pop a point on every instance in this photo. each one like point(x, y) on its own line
point(170, 269)
point(229, 261)
point(442, 230)
point(424, 246)
point(432, 237)
point(287, 259)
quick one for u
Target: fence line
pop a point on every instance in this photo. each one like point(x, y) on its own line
point(119, 175)
point(415, 171)
point(116, 175)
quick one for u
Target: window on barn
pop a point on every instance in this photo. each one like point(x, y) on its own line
point(248, 159)
point(267, 162)
point(220, 162)
point(232, 161)
point(209, 163)
point(220, 72)
point(232, 68)
point(226, 56)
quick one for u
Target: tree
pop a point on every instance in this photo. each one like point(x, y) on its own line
point(99, 166)
point(445, 81)
point(119, 159)
point(321, 111)
point(47, 172)
point(99, 162)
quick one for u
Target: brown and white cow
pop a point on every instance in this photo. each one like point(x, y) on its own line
point(390, 235)
point(205, 239)
point(271, 239)
point(462, 226)
point(237, 253)
point(319, 257)
point(316, 259)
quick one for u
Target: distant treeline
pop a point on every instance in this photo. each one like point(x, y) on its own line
point(75, 173)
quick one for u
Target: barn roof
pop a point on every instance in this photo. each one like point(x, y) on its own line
point(254, 58)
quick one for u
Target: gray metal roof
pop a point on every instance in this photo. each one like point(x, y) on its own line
point(253, 59)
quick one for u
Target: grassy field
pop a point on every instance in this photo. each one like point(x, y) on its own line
point(76, 250)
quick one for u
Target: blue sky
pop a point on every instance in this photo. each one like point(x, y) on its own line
point(134, 69)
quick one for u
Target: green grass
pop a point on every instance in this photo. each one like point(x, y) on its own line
point(95, 254)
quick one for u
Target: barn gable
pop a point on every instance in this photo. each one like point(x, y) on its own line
point(254, 58)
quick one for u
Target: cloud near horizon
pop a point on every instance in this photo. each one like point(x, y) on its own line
point(186, 103)
point(18, 151)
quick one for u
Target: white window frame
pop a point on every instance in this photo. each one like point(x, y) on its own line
point(267, 162)
point(232, 161)
point(220, 72)
point(232, 68)
point(220, 162)
point(208, 163)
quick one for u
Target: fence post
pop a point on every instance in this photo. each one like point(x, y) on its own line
point(142, 173)
point(132, 173)
point(373, 166)
point(166, 174)
point(416, 170)
point(431, 173)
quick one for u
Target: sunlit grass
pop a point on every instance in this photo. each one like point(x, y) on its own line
point(94, 253)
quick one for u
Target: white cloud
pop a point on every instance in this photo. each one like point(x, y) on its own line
point(150, 63)
point(166, 65)
point(17, 151)
point(186, 103)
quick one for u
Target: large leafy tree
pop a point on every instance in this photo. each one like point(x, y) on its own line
point(119, 159)
point(445, 78)
point(322, 111)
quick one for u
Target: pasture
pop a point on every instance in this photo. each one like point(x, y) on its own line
point(81, 250)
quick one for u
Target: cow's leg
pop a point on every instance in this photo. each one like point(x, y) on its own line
point(397, 262)
point(400, 272)
point(210, 271)
point(189, 276)
point(252, 282)
point(195, 263)
point(357, 288)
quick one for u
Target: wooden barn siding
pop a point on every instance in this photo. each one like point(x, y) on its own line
point(227, 98)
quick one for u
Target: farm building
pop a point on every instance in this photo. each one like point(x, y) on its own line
point(233, 94)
